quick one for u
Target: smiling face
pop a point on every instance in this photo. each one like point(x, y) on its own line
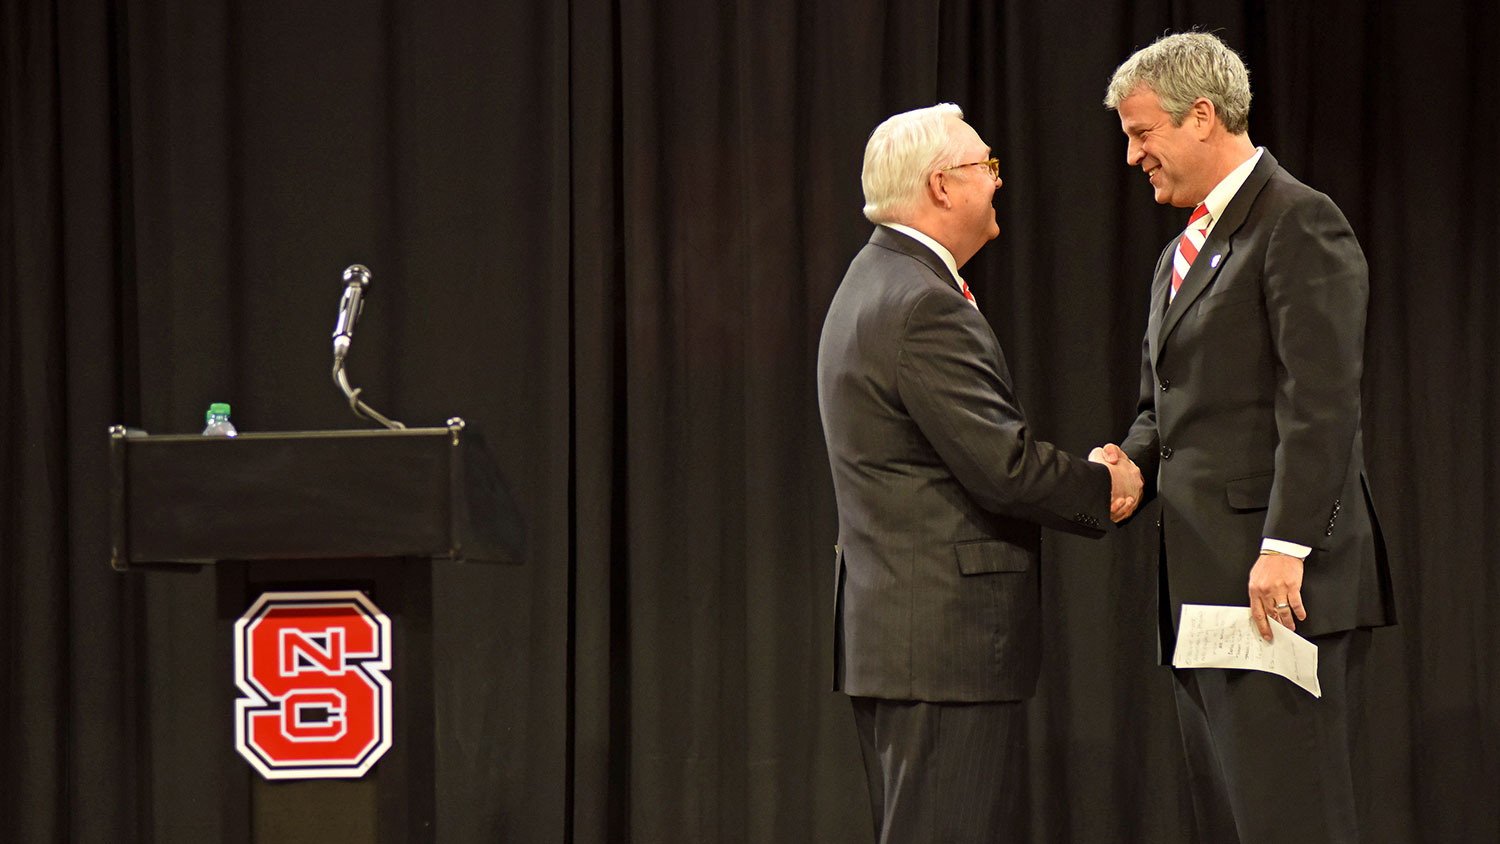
point(972, 189)
point(1176, 159)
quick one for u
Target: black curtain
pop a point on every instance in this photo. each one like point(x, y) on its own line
point(606, 233)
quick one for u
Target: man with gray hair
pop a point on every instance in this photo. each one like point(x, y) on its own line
point(941, 491)
point(1249, 433)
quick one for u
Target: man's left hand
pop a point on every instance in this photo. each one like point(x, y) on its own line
point(1276, 579)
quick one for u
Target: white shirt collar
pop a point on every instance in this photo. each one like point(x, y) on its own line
point(1218, 199)
point(942, 251)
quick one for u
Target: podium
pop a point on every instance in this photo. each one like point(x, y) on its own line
point(322, 512)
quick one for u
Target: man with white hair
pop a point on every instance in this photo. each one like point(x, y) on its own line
point(1249, 431)
point(941, 490)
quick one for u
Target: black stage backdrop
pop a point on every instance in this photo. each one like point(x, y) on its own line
point(607, 233)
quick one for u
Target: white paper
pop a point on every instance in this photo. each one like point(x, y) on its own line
point(1226, 637)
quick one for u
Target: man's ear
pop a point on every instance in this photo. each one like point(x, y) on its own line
point(1202, 115)
point(937, 189)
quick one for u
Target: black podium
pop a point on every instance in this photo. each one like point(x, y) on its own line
point(319, 513)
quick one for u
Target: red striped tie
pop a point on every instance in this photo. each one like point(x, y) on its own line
point(1188, 245)
point(964, 286)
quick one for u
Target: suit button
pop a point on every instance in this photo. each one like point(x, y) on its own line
point(1166, 384)
point(1166, 452)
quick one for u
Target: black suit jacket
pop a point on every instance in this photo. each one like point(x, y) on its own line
point(1250, 408)
point(941, 488)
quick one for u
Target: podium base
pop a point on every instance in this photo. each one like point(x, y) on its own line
point(313, 811)
point(395, 802)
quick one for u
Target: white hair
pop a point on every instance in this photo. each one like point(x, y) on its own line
point(901, 153)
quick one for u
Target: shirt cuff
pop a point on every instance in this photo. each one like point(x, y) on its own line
point(1291, 549)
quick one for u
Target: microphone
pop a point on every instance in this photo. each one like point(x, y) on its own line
point(356, 279)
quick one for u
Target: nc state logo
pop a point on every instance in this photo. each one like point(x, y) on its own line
point(311, 667)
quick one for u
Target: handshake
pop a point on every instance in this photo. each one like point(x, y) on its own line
point(1125, 483)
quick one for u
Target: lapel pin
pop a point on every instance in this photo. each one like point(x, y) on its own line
point(1213, 263)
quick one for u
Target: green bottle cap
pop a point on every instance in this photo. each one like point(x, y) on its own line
point(218, 408)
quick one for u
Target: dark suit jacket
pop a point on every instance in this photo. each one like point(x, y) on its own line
point(1250, 408)
point(940, 487)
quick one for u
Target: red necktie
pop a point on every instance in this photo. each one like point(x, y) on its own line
point(1188, 245)
point(964, 286)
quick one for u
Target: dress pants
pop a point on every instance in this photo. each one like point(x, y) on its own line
point(1266, 760)
point(944, 773)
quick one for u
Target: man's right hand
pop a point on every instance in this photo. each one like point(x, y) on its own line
point(1125, 482)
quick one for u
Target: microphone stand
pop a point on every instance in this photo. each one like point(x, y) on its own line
point(350, 307)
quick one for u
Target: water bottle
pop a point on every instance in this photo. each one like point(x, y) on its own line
point(218, 421)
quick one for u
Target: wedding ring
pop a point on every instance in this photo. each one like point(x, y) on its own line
point(1282, 606)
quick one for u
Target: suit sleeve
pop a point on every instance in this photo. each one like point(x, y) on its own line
point(1316, 293)
point(953, 381)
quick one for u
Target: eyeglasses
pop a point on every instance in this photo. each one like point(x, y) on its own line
point(990, 164)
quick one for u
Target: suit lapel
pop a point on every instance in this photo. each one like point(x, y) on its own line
point(1215, 252)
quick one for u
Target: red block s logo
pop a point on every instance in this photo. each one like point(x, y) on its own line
point(317, 702)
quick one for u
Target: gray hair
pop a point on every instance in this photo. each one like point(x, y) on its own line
point(901, 153)
point(1181, 68)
